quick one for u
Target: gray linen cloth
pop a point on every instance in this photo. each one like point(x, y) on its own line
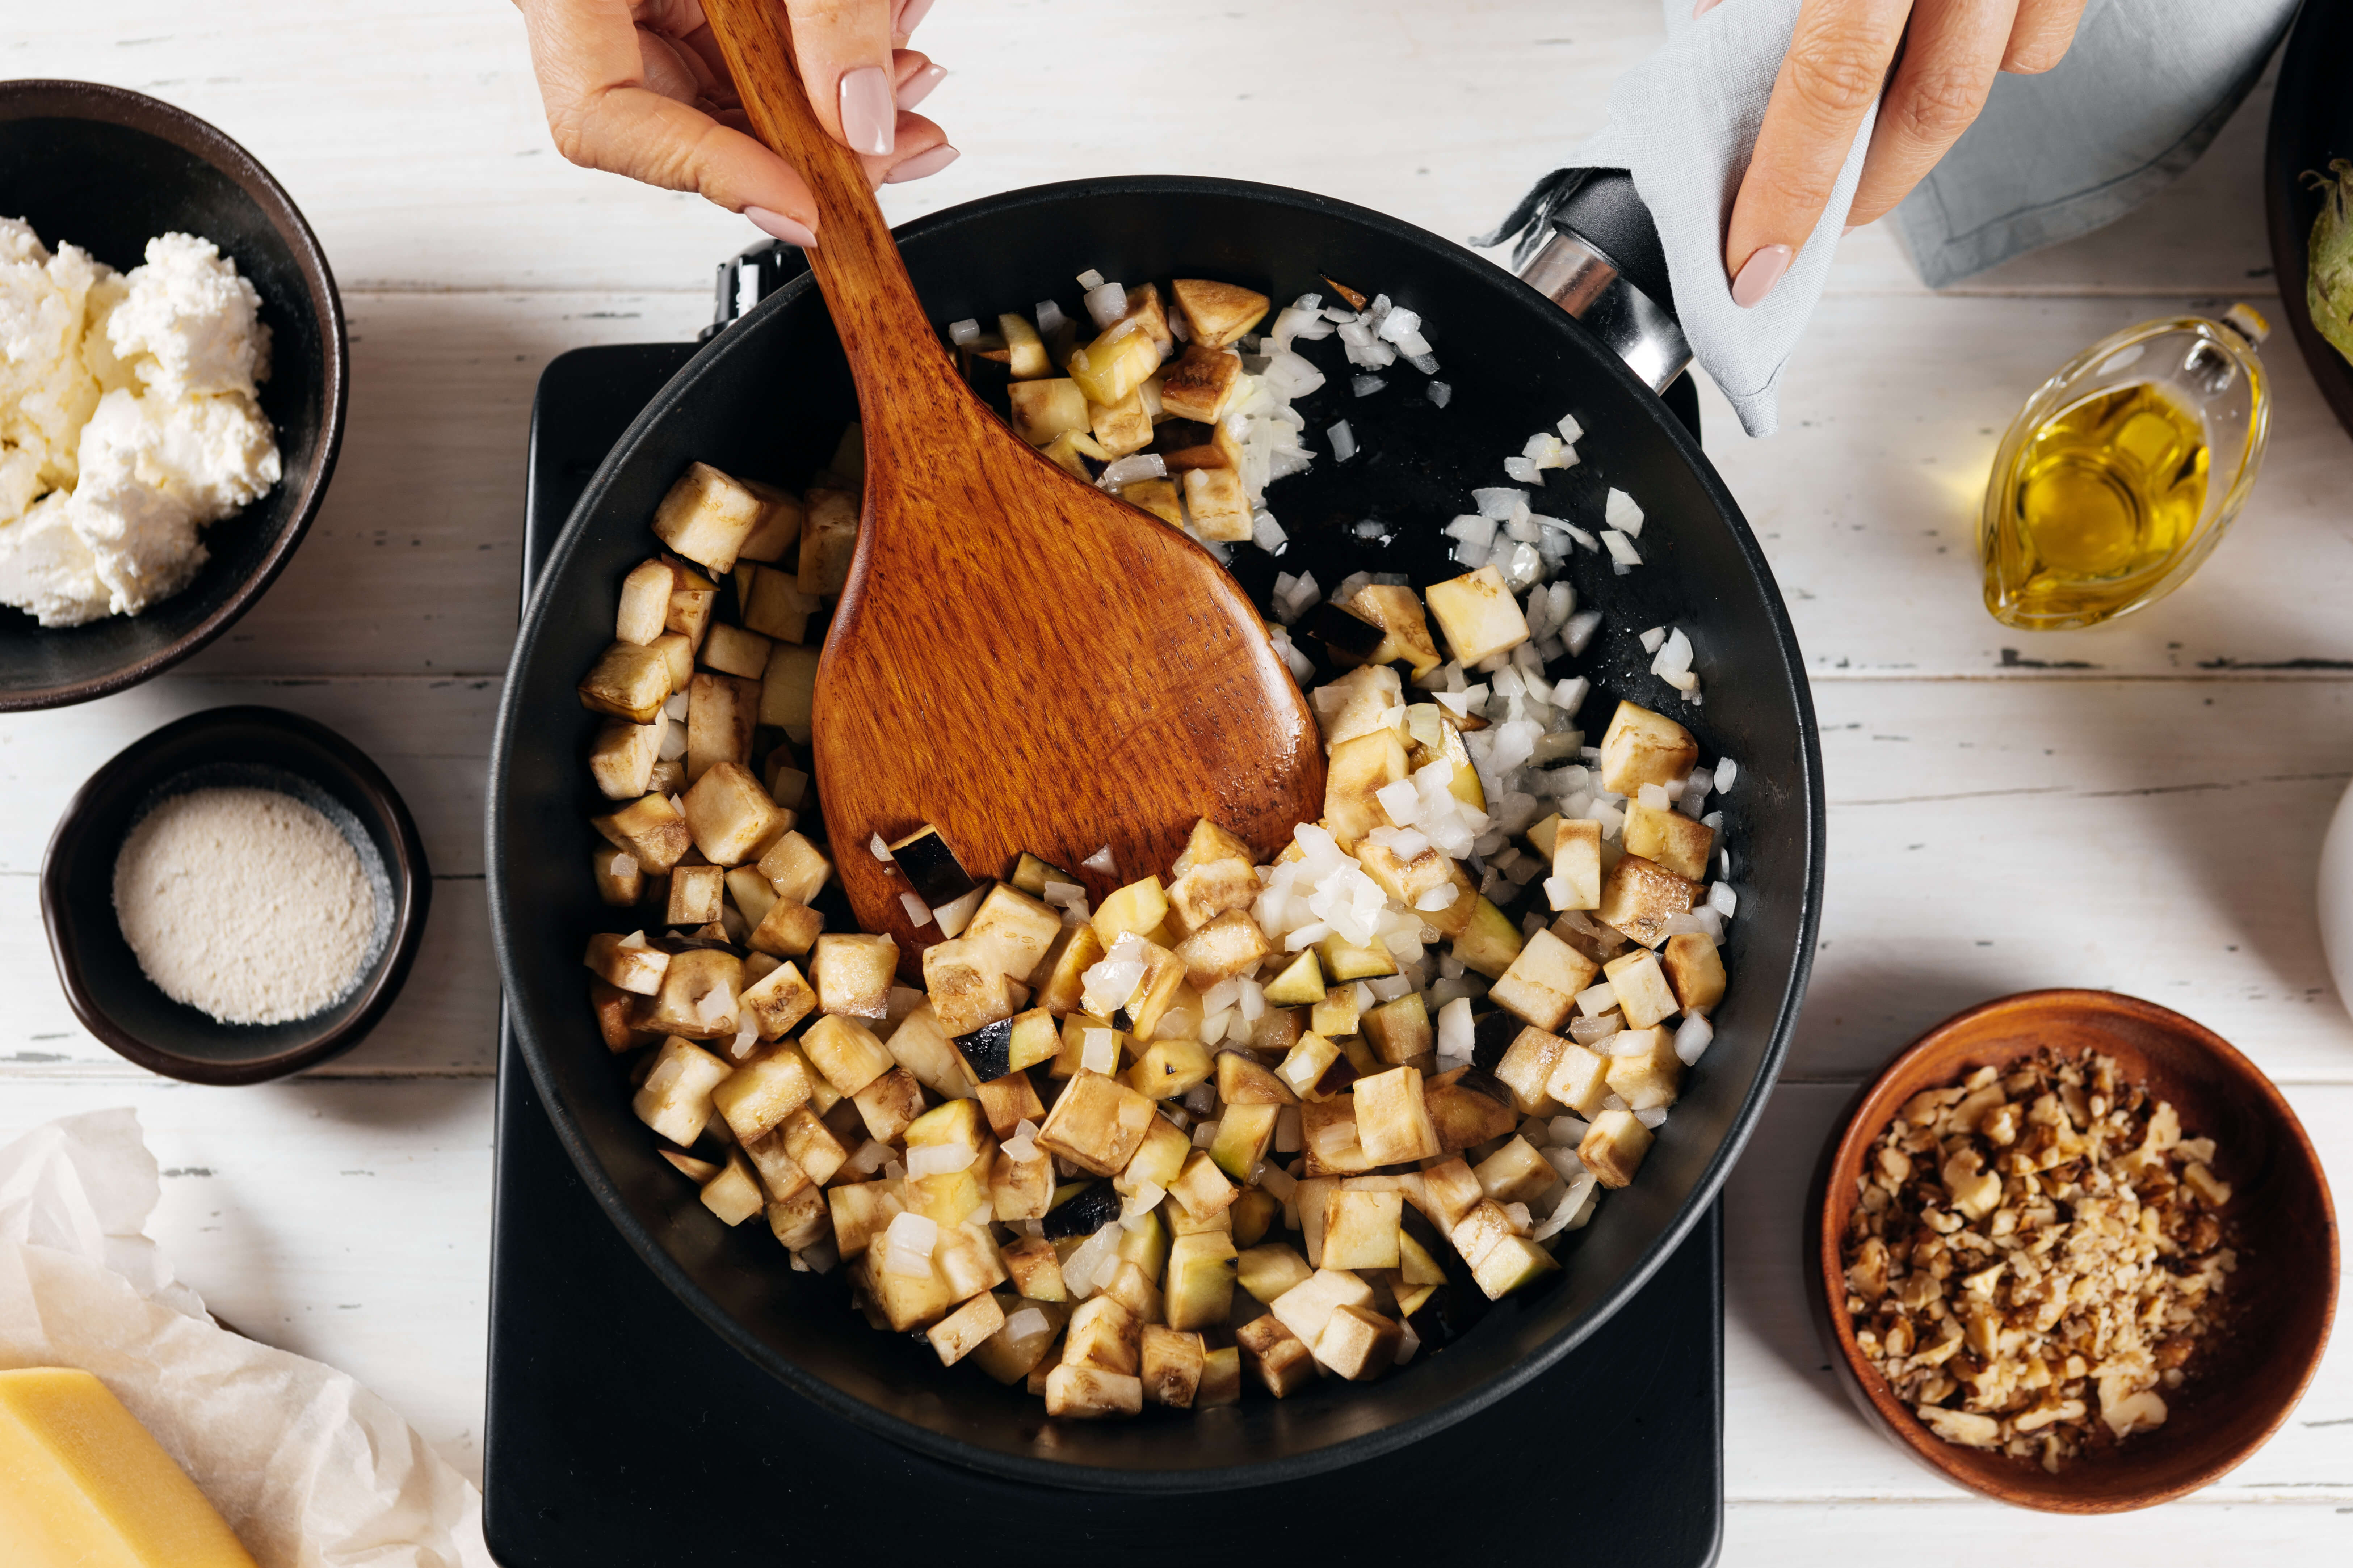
point(2141, 93)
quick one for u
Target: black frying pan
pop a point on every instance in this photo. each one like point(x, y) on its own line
point(767, 398)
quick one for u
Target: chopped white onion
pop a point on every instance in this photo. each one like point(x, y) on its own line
point(963, 332)
point(1100, 862)
point(1692, 1037)
point(919, 914)
point(1441, 395)
point(1343, 442)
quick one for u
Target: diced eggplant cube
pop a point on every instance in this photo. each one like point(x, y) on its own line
point(1405, 630)
point(736, 652)
point(1208, 889)
point(1479, 1230)
point(1097, 1123)
point(1361, 1228)
point(829, 540)
point(1462, 1110)
point(622, 757)
point(1163, 975)
point(1114, 365)
point(908, 1301)
point(1220, 506)
point(960, 1333)
point(1268, 1272)
point(1045, 409)
point(1104, 1333)
point(1035, 1269)
point(1639, 896)
point(1301, 981)
point(695, 893)
point(1201, 382)
point(734, 1194)
point(787, 931)
point(1242, 1081)
point(1393, 1122)
point(1516, 1173)
point(675, 1099)
point(1358, 1343)
point(628, 681)
point(1542, 984)
point(730, 816)
point(1008, 1101)
point(615, 1011)
point(930, 868)
point(1640, 985)
point(1579, 1080)
point(1359, 768)
point(888, 1104)
point(788, 690)
point(1527, 1063)
point(846, 1052)
point(1613, 1147)
point(781, 515)
point(1400, 1029)
point(1025, 351)
point(706, 517)
point(1062, 989)
point(797, 868)
point(1307, 1307)
point(1478, 614)
point(1087, 1393)
point(1411, 881)
point(634, 968)
point(1016, 927)
point(677, 652)
point(1218, 313)
point(1668, 837)
point(778, 1000)
point(861, 1211)
point(1157, 497)
point(967, 988)
point(690, 606)
point(1230, 944)
point(620, 880)
point(1642, 747)
point(800, 1221)
point(1133, 910)
point(776, 608)
point(1695, 969)
point(1329, 1129)
point(1513, 1262)
point(1021, 1189)
point(645, 602)
point(720, 715)
point(1244, 1131)
point(1158, 1161)
point(854, 974)
point(812, 1146)
point(700, 994)
point(1123, 426)
point(769, 1086)
point(1132, 1285)
point(1201, 1188)
point(1643, 1068)
point(1171, 1365)
point(1577, 863)
point(1167, 1069)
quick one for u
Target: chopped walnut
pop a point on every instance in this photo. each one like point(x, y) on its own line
point(2035, 1255)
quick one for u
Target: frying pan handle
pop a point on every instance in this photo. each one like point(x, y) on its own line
point(1602, 263)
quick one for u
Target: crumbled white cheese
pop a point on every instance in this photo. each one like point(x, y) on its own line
point(128, 421)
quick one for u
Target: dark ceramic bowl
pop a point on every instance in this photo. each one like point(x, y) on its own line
point(264, 746)
point(109, 170)
point(2278, 1307)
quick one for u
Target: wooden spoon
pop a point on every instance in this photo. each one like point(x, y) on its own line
point(1018, 658)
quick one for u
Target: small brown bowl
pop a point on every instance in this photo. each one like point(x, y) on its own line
point(2279, 1304)
point(103, 982)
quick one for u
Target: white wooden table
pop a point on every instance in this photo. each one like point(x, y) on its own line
point(2138, 808)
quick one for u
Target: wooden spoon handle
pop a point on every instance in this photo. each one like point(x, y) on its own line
point(857, 263)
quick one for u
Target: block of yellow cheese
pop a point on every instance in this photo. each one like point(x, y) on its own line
point(82, 1483)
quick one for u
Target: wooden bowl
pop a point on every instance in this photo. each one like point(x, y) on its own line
point(2279, 1303)
point(108, 169)
point(267, 746)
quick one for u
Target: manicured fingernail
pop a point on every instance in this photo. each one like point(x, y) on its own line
point(1759, 273)
point(777, 226)
point(923, 163)
point(919, 86)
point(911, 16)
point(869, 118)
point(1704, 7)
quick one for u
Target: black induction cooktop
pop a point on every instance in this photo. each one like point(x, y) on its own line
point(622, 1431)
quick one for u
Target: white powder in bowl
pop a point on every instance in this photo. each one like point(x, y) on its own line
point(245, 903)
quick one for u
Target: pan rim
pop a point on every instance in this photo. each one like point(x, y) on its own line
point(1075, 1474)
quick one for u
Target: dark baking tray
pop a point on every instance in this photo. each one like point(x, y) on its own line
point(2312, 122)
point(620, 1430)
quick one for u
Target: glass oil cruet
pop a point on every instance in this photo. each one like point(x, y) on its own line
point(2119, 476)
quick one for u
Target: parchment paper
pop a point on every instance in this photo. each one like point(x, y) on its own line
point(310, 1469)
